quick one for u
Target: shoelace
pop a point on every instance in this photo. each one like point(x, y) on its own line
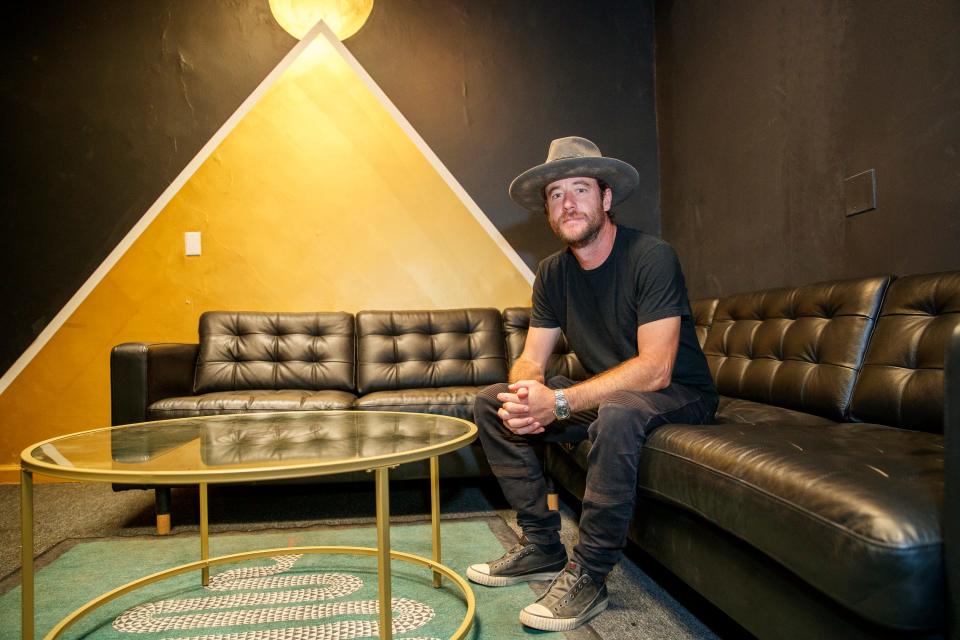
point(560, 576)
point(515, 552)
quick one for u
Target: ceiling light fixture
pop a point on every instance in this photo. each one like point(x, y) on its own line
point(344, 17)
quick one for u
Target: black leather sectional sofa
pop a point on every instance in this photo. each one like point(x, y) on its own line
point(423, 361)
point(815, 508)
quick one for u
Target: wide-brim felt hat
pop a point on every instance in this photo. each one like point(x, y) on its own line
point(572, 157)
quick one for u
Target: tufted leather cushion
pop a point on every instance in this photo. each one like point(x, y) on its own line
point(285, 437)
point(703, 311)
point(252, 350)
point(448, 401)
point(563, 361)
point(901, 382)
point(429, 349)
point(218, 402)
point(853, 509)
point(797, 348)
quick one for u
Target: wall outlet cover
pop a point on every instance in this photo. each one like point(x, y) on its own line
point(860, 192)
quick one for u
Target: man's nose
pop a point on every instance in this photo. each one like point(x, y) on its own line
point(569, 202)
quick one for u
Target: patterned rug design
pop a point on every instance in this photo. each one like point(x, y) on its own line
point(260, 591)
point(286, 597)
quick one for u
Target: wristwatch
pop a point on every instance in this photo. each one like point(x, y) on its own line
point(561, 408)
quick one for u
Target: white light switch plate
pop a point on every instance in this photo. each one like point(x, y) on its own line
point(191, 243)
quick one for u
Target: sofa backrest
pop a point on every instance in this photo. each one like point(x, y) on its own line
point(429, 349)
point(901, 383)
point(254, 350)
point(797, 347)
point(563, 361)
point(703, 311)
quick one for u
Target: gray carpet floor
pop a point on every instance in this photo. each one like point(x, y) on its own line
point(639, 606)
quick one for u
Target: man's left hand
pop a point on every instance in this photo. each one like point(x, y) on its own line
point(540, 400)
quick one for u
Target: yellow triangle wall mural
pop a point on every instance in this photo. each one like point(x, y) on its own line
point(317, 199)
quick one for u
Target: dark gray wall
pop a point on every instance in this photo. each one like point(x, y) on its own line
point(105, 102)
point(490, 84)
point(765, 107)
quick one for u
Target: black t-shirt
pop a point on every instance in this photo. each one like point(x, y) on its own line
point(600, 309)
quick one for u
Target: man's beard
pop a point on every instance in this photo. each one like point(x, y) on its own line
point(588, 234)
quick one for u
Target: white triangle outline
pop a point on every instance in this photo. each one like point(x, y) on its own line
point(318, 30)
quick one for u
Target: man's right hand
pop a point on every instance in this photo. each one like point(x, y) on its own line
point(514, 413)
point(515, 405)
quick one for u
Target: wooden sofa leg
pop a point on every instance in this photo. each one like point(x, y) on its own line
point(553, 501)
point(162, 500)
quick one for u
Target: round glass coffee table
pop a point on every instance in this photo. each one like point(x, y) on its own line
point(245, 448)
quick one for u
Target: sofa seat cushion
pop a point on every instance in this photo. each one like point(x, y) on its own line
point(738, 410)
point(853, 509)
point(249, 401)
point(293, 439)
point(449, 401)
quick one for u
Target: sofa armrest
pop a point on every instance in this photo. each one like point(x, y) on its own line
point(142, 373)
point(951, 507)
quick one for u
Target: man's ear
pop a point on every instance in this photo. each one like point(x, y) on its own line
point(607, 199)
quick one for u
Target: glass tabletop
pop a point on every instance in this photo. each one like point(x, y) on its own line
point(250, 446)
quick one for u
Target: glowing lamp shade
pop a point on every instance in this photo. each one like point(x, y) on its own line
point(344, 17)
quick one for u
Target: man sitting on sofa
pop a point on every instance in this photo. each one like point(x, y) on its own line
point(618, 295)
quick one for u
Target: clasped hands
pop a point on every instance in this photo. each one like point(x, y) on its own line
point(527, 408)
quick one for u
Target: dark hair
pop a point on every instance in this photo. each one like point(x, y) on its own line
point(603, 187)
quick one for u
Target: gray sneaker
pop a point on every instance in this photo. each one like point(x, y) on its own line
point(572, 599)
point(524, 562)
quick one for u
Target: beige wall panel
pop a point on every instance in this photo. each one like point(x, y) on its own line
point(317, 200)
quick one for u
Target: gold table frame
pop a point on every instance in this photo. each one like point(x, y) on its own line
point(379, 465)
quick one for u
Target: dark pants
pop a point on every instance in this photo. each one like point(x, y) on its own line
point(617, 432)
